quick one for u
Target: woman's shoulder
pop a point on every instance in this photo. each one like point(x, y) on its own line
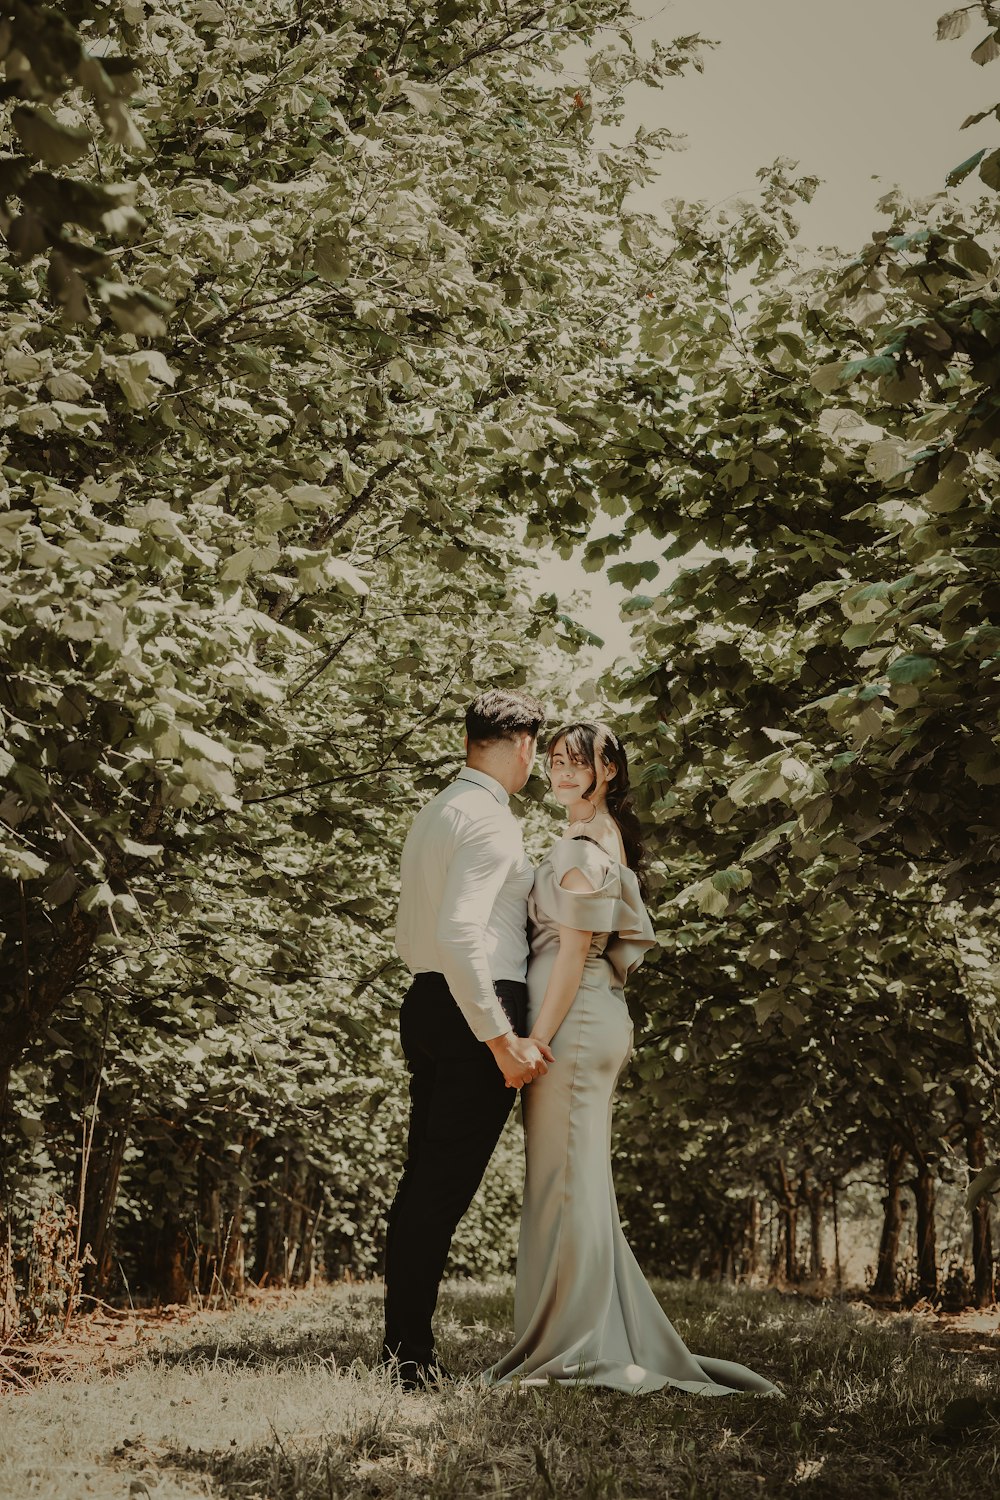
point(601, 833)
point(582, 851)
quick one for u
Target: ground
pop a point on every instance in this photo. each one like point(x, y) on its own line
point(273, 1400)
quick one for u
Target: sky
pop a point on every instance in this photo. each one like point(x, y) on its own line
point(859, 92)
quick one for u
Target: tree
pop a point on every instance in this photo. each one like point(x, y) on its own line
point(818, 703)
point(260, 547)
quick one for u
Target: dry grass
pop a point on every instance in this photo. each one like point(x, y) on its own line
point(275, 1401)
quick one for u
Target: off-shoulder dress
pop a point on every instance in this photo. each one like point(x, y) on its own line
point(583, 1312)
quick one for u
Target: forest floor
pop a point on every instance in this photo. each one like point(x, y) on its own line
point(272, 1399)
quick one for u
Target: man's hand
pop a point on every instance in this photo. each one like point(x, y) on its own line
point(520, 1058)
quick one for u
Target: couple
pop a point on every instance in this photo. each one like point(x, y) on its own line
point(487, 1015)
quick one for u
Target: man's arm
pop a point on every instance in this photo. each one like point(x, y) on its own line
point(478, 868)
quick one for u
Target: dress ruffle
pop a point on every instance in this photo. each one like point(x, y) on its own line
point(613, 911)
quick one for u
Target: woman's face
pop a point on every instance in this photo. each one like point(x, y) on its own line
point(570, 779)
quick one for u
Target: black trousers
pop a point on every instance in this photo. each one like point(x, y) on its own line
point(459, 1104)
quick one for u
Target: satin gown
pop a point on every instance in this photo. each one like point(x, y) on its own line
point(583, 1311)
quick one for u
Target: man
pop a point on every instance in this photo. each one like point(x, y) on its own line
point(462, 932)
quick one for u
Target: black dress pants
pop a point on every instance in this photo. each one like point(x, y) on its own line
point(459, 1104)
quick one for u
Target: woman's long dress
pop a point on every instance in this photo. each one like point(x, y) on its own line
point(583, 1311)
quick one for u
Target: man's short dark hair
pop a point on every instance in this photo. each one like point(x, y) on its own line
point(500, 714)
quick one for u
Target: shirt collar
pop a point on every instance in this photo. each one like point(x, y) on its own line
point(483, 779)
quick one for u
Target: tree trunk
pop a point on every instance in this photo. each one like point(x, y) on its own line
point(208, 1246)
point(221, 1252)
point(168, 1269)
point(9, 1312)
point(779, 1253)
point(313, 1207)
point(263, 1235)
point(233, 1271)
point(789, 1222)
point(982, 1239)
point(286, 1205)
point(892, 1224)
point(296, 1221)
point(752, 1237)
point(269, 1196)
point(235, 1198)
point(99, 1200)
point(838, 1275)
point(924, 1192)
point(814, 1199)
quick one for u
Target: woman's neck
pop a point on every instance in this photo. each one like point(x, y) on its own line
point(602, 827)
point(585, 812)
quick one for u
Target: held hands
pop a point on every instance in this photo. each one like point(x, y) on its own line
point(520, 1058)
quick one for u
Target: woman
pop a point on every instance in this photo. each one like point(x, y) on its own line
point(583, 1312)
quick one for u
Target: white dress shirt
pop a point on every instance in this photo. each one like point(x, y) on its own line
point(463, 897)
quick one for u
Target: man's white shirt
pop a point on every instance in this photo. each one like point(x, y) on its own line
point(463, 898)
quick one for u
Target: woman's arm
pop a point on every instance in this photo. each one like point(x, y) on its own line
point(567, 971)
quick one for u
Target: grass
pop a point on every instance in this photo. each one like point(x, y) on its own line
point(274, 1401)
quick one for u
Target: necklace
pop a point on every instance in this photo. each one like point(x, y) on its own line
point(590, 819)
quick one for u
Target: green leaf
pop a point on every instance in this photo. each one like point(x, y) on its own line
point(193, 739)
point(331, 258)
point(983, 1183)
point(141, 851)
point(861, 635)
point(886, 460)
point(947, 495)
point(44, 138)
point(769, 841)
point(987, 50)
point(764, 1006)
point(711, 901)
point(911, 668)
point(32, 783)
point(990, 170)
point(424, 97)
point(876, 364)
point(758, 784)
point(580, 632)
point(135, 310)
point(828, 377)
point(21, 864)
point(952, 25)
point(96, 897)
point(974, 256)
point(629, 574)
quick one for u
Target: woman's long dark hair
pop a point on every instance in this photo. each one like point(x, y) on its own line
point(584, 743)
